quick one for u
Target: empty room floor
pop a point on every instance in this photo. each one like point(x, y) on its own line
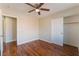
point(39, 48)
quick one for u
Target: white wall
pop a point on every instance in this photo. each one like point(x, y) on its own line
point(45, 29)
point(47, 33)
point(27, 26)
point(71, 30)
point(27, 29)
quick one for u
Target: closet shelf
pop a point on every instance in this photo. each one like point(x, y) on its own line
point(72, 23)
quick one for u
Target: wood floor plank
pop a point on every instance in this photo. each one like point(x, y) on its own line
point(39, 48)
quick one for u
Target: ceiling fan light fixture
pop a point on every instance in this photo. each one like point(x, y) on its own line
point(37, 10)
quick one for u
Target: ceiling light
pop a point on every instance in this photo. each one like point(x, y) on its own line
point(37, 10)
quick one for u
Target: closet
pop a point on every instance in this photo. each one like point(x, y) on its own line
point(71, 30)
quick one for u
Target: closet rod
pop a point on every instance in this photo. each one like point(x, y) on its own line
point(72, 23)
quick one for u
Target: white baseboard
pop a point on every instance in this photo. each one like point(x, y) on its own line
point(10, 41)
point(46, 40)
point(20, 43)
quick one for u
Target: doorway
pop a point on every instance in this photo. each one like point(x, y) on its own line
point(9, 35)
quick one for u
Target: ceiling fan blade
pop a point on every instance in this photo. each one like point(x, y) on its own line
point(31, 10)
point(39, 13)
point(30, 5)
point(40, 5)
point(44, 9)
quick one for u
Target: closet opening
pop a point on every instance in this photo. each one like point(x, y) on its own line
point(9, 35)
point(71, 33)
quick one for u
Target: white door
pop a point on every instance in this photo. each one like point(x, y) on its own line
point(57, 31)
point(1, 35)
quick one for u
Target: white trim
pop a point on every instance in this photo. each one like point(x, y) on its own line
point(46, 40)
point(10, 41)
point(1, 46)
point(20, 43)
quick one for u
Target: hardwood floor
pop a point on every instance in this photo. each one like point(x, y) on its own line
point(10, 49)
point(39, 48)
point(70, 50)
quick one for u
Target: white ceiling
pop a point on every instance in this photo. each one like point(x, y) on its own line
point(54, 7)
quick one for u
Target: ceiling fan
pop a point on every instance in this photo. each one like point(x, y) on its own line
point(37, 8)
